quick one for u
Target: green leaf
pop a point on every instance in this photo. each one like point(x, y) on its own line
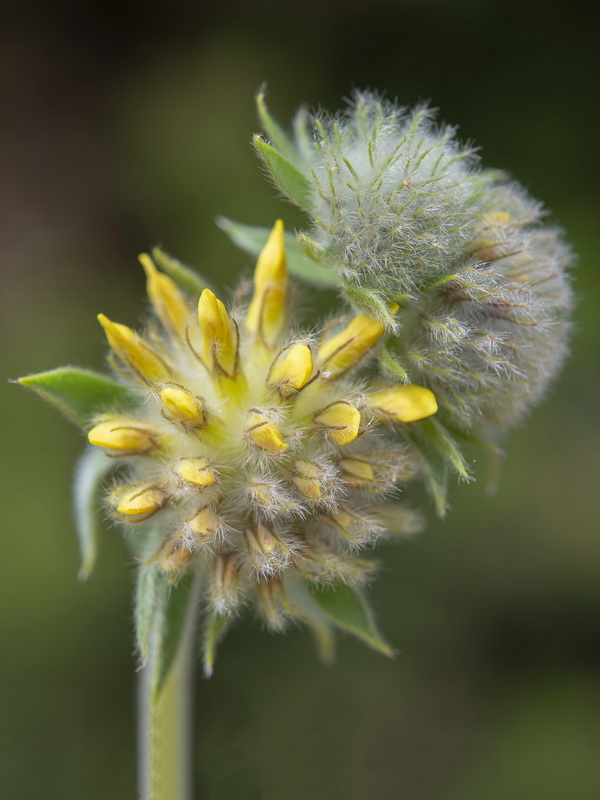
point(348, 609)
point(434, 466)
point(446, 446)
point(216, 626)
point(288, 178)
point(170, 624)
point(80, 393)
point(304, 606)
point(150, 598)
point(273, 130)
point(92, 468)
point(370, 303)
point(185, 276)
point(251, 239)
point(391, 365)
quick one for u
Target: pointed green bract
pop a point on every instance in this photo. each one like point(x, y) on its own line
point(251, 239)
point(216, 625)
point(189, 280)
point(446, 446)
point(92, 468)
point(369, 303)
point(391, 365)
point(288, 178)
point(273, 129)
point(80, 393)
point(348, 609)
point(434, 468)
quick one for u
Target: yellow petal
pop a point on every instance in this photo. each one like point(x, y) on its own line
point(166, 297)
point(137, 503)
point(204, 522)
point(307, 478)
point(341, 352)
point(196, 471)
point(219, 346)
point(174, 556)
point(122, 434)
point(340, 421)
point(404, 403)
point(292, 370)
point(355, 471)
point(133, 351)
point(266, 312)
point(263, 434)
point(183, 406)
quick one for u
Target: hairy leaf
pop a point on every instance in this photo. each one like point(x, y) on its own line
point(170, 625)
point(92, 468)
point(446, 446)
point(348, 609)
point(288, 178)
point(150, 597)
point(80, 393)
point(305, 607)
point(216, 625)
point(251, 239)
point(434, 467)
point(273, 130)
point(370, 303)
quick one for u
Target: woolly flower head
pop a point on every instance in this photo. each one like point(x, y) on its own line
point(401, 212)
point(252, 455)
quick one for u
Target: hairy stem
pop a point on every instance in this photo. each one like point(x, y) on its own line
point(165, 729)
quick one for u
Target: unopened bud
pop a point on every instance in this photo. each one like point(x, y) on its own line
point(272, 601)
point(341, 352)
point(182, 406)
point(356, 472)
point(124, 435)
point(204, 522)
point(263, 434)
point(195, 471)
point(224, 583)
point(307, 478)
point(266, 311)
point(266, 551)
point(166, 297)
point(404, 403)
point(137, 503)
point(174, 556)
point(219, 345)
point(133, 351)
point(340, 421)
point(291, 370)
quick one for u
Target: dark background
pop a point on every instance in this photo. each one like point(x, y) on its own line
point(129, 123)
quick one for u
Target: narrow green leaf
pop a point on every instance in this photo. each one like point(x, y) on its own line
point(216, 625)
point(446, 446)
point(391, 365)
point(170, 625)
point(370, 303)
point(189, 279)
point(348, 609)
point(304, 606)
point(435, 469)
point(92, 468)
point(150, 597)
point(273, 130)
point(288, 178)
point(80, 393)
point(251, 239)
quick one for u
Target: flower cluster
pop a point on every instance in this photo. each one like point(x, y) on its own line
point(403, 213)
point(261, 455)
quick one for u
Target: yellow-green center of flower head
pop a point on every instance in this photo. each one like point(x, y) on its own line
point(258, 455)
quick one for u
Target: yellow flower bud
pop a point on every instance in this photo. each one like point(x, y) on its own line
point(137, 503)
point(219, 339)
point(340, 421)
point(266, 311)
point(356, 472)
point(133, 351)
point(263, 434)
point(224, 584)
point(196, 471)
point(182, 406)
point(204, 522)
point(166, 297)
point(122, 434)
point(291, 370)
point(341, 352)
point(404, 403)
point(307, 478)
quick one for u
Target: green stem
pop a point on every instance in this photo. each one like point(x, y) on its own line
point(165, 729)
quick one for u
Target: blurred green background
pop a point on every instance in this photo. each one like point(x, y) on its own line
point(127, 124)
